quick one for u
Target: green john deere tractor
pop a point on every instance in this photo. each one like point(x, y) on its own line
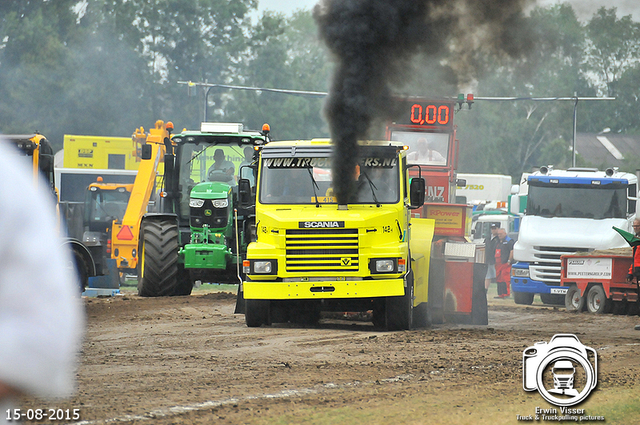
point(199, 233)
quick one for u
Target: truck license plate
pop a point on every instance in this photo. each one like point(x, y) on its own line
point(559, 290)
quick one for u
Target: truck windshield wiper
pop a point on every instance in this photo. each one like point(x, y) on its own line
point(373, 188)
point(314, 186)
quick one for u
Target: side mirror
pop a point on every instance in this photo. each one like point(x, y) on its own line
point(461, 182)
point(244, 193)
point(417, 192)
point(514, 204)
point(146, 151)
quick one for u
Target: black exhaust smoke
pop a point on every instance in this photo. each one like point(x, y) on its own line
point(372, 42)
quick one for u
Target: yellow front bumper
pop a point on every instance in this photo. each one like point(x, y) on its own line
point(254, 290)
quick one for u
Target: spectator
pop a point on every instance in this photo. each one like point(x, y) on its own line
point(425, 154)
point(504, 258)
point(490, 255)
point(634, 270)
point(41, 315)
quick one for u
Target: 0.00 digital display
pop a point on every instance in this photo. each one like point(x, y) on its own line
point(429, 114)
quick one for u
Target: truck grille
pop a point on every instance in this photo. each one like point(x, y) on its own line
point(322, 250)
point(547, 267)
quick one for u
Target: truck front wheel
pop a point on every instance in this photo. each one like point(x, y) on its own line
point(399, 310)
point(256, 313)
point(597, 301)
point(523, 298)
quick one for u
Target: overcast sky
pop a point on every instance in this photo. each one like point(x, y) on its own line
point(584, 8)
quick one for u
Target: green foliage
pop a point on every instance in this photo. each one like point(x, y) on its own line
point(514, 138)
point(284, 53)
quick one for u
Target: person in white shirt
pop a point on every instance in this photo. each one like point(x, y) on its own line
point(41, 312)
point(425, 154)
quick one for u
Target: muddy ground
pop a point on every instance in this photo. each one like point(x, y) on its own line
point(191, 360)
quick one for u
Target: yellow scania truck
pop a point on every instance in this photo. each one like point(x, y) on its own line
point(312, 254)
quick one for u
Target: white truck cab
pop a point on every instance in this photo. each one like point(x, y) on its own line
point(568, 211)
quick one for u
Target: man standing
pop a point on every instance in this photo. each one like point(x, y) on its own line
point(634, 270)
point(490, 255)
point(504, 258)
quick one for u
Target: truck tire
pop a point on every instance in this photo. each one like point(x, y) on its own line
point(421, 316)
point(379, 317)
point(573, 301)
point(158, 262)
point(399, 310)
point(634, 308)
point(552, 299)
point(523, 298)
point(597, 301)
point(256, 313)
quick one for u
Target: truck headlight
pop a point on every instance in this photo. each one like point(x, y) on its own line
point(385, 266)
point(220, 203)
point(519, 272)
point(196, 203)
point(263, 266)
point(382, 265)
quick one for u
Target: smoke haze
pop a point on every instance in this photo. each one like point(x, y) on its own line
point(372, 42)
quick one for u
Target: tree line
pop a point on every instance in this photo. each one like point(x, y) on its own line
point(106, 67)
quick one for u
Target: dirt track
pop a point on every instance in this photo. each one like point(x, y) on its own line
point(191, 360)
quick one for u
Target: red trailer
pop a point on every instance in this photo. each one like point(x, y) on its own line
point(597, 282)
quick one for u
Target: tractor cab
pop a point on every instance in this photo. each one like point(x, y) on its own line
point(209, 164)
point(104, 203)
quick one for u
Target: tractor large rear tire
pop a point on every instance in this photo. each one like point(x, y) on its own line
point(158, 274)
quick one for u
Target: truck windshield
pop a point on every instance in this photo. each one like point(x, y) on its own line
point(309, 181)
point(577, 200)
